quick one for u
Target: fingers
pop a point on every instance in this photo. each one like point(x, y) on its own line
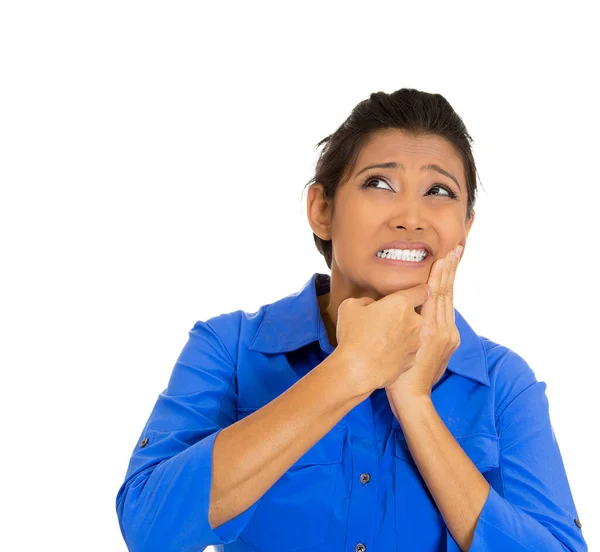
point(429, 310)
point(446, 310)
point(442, 285)
point(416, 295)
point(445, 291)
point(449, 297)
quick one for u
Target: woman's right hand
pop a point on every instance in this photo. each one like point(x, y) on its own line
point(380, 338)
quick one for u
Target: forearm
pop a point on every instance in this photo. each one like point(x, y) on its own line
point(253, 453)
point(455, 483)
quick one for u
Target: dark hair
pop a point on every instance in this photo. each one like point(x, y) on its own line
point(415, 112)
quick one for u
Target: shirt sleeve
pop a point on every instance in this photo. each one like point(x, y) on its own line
point(535, 510)
point(164, 501)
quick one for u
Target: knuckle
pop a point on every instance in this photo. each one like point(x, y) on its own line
point(346, 303)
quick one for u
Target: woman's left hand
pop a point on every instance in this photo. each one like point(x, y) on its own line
point(439, 335)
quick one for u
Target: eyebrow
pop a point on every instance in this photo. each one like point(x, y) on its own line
point(394, 165)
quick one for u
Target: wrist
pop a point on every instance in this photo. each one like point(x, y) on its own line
point(408, 403)
point(353, 373)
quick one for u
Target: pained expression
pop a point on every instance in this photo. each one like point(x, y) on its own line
point(379, 205)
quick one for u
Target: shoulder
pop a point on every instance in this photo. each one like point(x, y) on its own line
point(510, 374)
point(230, 330)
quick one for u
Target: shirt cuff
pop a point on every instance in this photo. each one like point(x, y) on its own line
point(503, 527)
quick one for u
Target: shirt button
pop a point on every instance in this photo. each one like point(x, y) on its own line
point(365, 478)
point(360, 547)
point(144, 442)
point(577, 522)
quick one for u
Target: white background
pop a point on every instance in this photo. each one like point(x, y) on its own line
point(152, 162)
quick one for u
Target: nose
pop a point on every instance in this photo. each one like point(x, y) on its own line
point(409, 215)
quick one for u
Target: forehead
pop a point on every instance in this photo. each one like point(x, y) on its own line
point(411, 151)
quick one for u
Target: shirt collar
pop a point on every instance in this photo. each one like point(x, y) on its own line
point(295, 321)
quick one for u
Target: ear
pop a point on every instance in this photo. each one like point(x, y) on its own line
point(470, 223)
point(318, 210)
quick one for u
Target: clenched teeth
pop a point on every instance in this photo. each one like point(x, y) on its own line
point(415, 255)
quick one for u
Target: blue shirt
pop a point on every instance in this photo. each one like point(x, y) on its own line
point(358, 485)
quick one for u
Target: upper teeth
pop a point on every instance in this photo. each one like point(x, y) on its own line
point(403, 254)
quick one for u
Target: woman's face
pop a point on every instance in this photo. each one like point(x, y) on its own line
point(380, 205)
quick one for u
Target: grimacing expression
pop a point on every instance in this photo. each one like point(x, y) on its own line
point(399, 201)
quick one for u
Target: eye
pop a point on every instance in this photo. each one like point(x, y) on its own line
point(369, 179)
point(451, 194)
point(374, 178)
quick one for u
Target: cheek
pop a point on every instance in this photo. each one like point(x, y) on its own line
point(451, 228)
point(355, 222)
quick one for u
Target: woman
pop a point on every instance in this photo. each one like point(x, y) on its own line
point(362, 412)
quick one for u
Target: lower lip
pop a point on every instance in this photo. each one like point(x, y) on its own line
point(412, 264)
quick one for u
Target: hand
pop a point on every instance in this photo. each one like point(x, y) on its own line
point(439, 335)
point(380, 338)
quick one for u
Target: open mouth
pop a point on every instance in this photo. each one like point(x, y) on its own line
point(413, 259)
